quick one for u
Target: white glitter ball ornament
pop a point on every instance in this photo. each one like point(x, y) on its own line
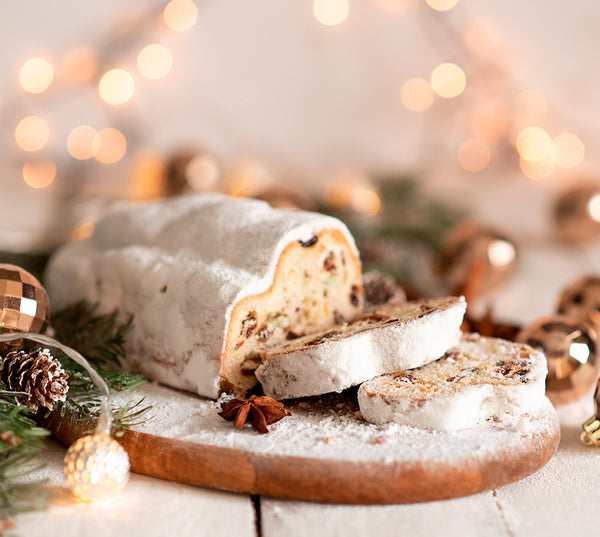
point(96, 466)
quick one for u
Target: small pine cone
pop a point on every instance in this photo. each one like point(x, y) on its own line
point(38, 375)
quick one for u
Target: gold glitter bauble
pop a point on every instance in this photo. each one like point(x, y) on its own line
point(24, 304)
point(476, 258)
point(571, 351)
point(96, 466)
point(577, 213)
point(581, 300)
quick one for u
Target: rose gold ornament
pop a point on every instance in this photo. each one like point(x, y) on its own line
point(590, 436)
point(577, 213)
point(24, 304)
point(476, 258)
point(581, 300)
point(570, 347)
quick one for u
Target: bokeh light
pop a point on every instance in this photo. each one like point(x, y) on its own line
point(83, 142)
point(416, 94)
point(203, 172)
point(39, 174)
point(365, 199)
point(474, 155)
point(31, 134)
point(111, 147)
point(154, 61)
point(36, 75)
point(593, 207)
point(441, 5)
point(80, 65)
point(567, 150)
point(533, 144)
point(180, 15)
point(116, 86)
point(537, 170)
point(501, 253)
point(448, 80)
point(331, 12)
point(489, 121)
point(481, 39)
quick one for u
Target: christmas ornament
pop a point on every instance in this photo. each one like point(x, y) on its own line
point(590, 436)
point(475, 258)
point(577, 213)
point(96, 465)
point(24, 304)
point(36, 374)
point(571, 350)
point(191, 171)
point(581, 300)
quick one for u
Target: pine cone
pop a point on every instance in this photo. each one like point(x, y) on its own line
point(38, 375)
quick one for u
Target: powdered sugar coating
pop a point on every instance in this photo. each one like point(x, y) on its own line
point(180, 266)
point(481, 379)
point(330, 427)
point(390, 339)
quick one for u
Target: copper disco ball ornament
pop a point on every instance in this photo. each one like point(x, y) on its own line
point(570, 347)
point(476, 259)
point(24, 304)
point(577, 213)
point(581, 300)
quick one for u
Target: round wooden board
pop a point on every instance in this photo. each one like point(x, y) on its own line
point(325, 452)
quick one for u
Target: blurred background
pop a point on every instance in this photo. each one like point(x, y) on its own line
point(407, 118)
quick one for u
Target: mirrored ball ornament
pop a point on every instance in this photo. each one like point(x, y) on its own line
point(570, 347)
point(24, 304)
point(576, 212)
point(581, 300)
point(95, 467)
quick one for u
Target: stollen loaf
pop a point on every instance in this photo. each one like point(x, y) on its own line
point(388, 338)
point(211, 282)
point(481, 379)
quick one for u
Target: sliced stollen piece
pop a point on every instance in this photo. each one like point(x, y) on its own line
point(211, 281)
point(481, 379)
point(390, 338)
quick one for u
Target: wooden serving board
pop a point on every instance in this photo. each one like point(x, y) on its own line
point(325, 452)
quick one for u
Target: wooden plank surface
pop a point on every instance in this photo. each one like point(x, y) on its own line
point(146, 507)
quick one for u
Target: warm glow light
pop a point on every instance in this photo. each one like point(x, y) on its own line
point(331, 12)
point(147, 175)
point(501, 252)
point(530, 106)
point(83, 142)
point(448, 80)
point(533, 144)
point(365, 200)
point(474, 155)
point(579, 351)
point(416, 94)
point(154, 61)
point(36, 75)
point(180, 15)
point(246, 176)
point(441, 5)
point(489, 121)
point(116, 86)
point(593, 207)
point(39, 174)
point(481, 39)
point(203, 172)
point(537, 170)
point(567, 150)
point(112, 146)
point(80, 65)
point(32, 133)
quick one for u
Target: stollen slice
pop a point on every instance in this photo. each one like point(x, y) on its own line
point(480, 380)
point(387, 339)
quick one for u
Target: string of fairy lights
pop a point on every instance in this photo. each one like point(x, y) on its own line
point(493, 121)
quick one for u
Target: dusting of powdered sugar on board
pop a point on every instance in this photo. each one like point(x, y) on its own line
point(330, 427)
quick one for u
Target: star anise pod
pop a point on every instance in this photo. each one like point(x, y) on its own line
point(258, 411)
